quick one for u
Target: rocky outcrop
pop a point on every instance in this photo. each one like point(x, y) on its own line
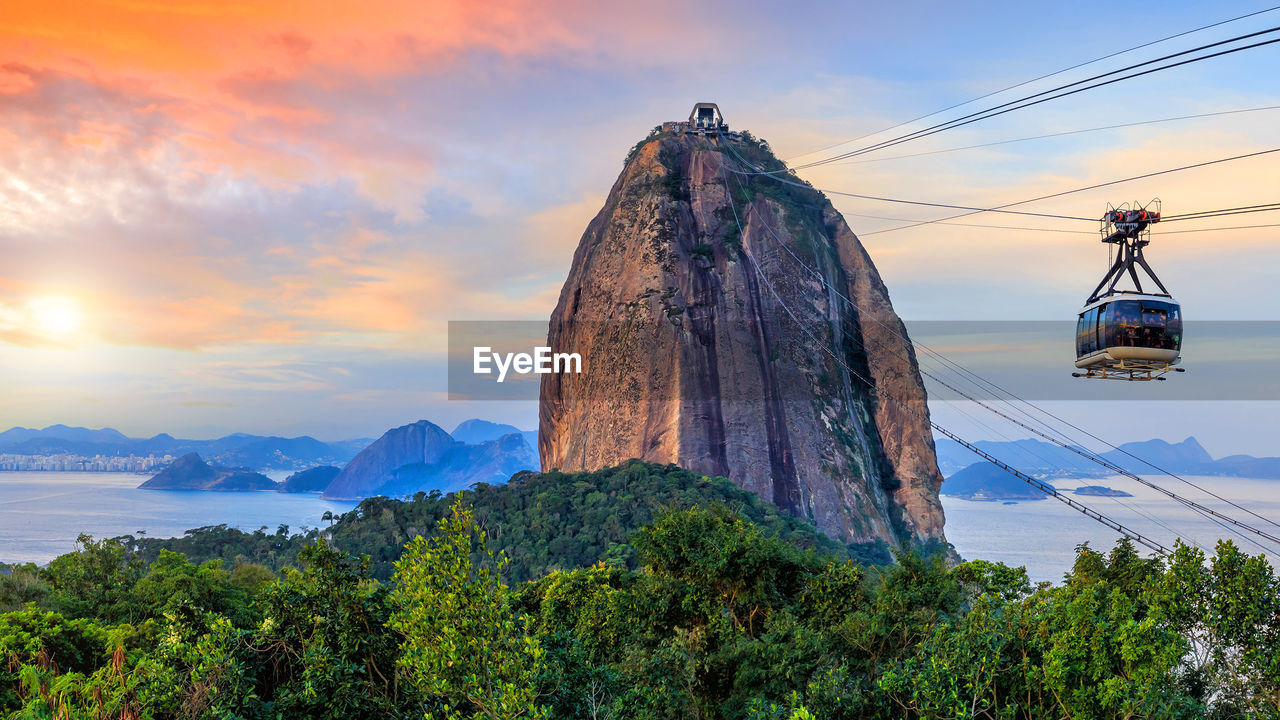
point(986, 482)
point(423, 457)
point(694, 356)
point(314, 479)
point(476, 431)
point(191, 472)
point(492, 462)
point(420, 442)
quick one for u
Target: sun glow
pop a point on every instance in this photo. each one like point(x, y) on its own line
point(54, 316)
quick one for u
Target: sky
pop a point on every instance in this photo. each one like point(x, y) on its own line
point(259, 217)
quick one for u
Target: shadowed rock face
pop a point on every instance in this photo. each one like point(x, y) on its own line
point(691, 357)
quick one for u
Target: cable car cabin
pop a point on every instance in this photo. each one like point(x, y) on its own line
point(1129, 334)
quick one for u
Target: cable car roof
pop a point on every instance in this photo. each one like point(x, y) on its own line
point(1128, 295)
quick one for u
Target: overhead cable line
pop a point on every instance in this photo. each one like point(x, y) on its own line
point(1061, 92)
point(1056, 134)
point(1043, 77)
point(1135, 509)
point(1203, 510)
point(998, 208)
point(945, 205)
point(1038, 484)
point(1203, 214)
point(1217, 229)
point(1095, 186)
point(1021, 228)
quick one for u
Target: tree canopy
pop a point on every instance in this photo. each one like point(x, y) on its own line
point(707, 609)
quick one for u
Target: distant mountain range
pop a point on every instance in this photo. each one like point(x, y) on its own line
point(239, 450)
point(423, 457)
point(478, 431)
point(1046, 460)
point(419, 457)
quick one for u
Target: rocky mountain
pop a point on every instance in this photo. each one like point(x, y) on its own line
point(692, 355)
point(279, 452)
point(191, 472)
point(1187, 456)
point(1046, 460)
point(463, 465)
point(1248, 466)
point(1036, 457)
point(986, 481)
point(16, 435)
point(420, 442)
point(314, 479)
point(478, 431)
point(422, 456)
point(236, 450)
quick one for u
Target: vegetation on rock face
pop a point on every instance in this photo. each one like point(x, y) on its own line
point(702, 613)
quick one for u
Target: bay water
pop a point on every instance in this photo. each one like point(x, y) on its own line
point(41, 513)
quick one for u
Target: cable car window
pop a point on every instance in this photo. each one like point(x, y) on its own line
point(1087, 333)
point(1161, 325)
point(1174, 327)
point(1123, 322)
point(1099, 327)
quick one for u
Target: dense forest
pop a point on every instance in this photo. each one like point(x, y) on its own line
point(713, 606)
point(541, 521)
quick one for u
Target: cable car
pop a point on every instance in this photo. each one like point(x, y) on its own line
point(1129, 334)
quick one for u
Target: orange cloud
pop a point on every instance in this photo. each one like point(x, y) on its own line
point(185, 43)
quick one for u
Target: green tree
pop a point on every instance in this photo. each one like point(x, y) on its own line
point(21, 584)
point(1228, 610)
point(96, 581)
point(464, 647)
point(172, 585)
point(323, 647)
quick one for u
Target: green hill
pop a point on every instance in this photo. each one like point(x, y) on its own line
point(543, 521)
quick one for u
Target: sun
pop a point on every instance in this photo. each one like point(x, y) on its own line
point(54, 316)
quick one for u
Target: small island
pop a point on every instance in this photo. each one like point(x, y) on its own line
point(985, 482)
point(1100, 491)
point(191, 472)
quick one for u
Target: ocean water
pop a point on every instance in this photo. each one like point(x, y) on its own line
point(1042, 534)
point(41, 513)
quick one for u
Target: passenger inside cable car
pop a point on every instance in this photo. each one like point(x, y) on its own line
point(1154, 324)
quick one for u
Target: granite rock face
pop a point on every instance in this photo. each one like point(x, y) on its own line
point(710, 309)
